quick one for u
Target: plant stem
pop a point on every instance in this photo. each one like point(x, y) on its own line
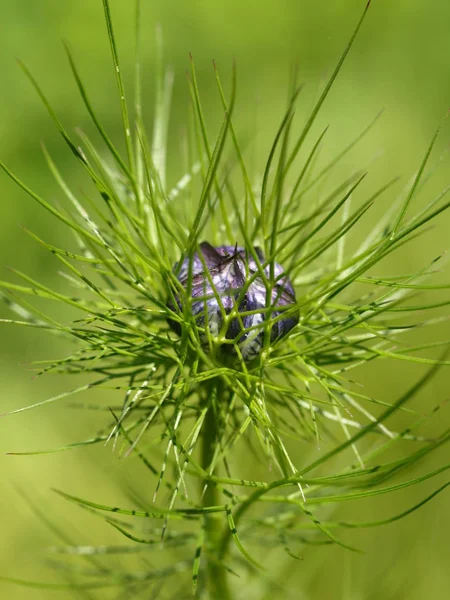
point(216, 573)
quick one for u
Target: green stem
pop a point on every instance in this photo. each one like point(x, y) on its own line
point(216, 573)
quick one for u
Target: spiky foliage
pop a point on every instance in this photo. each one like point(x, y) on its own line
point(201, 413)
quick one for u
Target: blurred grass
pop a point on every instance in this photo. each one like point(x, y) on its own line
point(399, 62)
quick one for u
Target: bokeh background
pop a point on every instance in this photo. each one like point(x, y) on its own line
point(400, 62)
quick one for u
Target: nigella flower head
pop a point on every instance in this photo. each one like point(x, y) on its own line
point(235, 298)
point(233, 445)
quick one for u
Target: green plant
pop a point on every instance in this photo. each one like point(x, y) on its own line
point(197, 405)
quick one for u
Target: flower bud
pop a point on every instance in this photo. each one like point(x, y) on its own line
point(226, 277)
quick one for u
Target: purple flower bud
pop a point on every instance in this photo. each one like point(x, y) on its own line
point(219, 280)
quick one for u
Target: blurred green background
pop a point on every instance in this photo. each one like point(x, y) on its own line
point(401, 62)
